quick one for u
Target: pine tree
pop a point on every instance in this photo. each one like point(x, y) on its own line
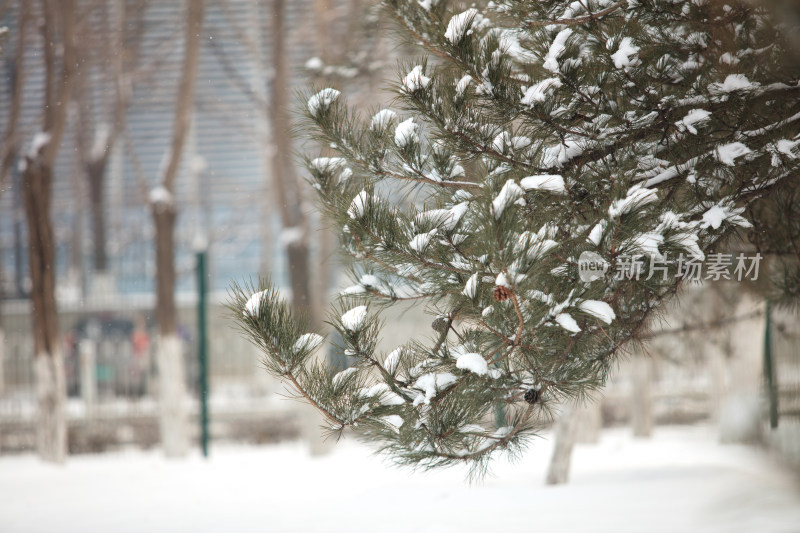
point(532, 133)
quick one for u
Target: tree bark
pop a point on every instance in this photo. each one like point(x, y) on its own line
point(641, 399)
point(566, 433)
point(95, 175)
point(590, 422)
point(37, 185)
point(288, 193)
point(172, 383)
point(51, 390)
point(122, 52)
point(164, 216)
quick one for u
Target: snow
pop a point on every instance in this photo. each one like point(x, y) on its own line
point(546, 182)
point(596, 235)
point(384, 394)
point(392, 360)
point(421, 241)
point(474, 362)
point(786, 147)
point(381, 119)
point(432, 383)
point(291, 235)
point(637, 197)
point(358, 204)
point(695, 116)
point(40, 140)
point(447, 219)
point(314, 63)
point(714, 217)
point(509, 194)
point(344, 175)
point(471, 286)
point(394, 420)
point(415, 80)
point(689, 242)
point(322, 101)
point(622, 57)
point(462, 84)
point(501, 141)
point(733, 82)
point(354, 318)
point(647, 243)
point(339, 377)
point(727, 153)
point(308, 341)
point(681, 479)
point(502, 280)
point(352, 290)
point(328, 164)
point(101, 140)
point(406, 133)
point(598, 309)
point(561, 153)
point(369, 280)
point(566, 321)
point(254, 303)
point(459, 25)
point(556, 49)
point(160, 196)
point(538, 92)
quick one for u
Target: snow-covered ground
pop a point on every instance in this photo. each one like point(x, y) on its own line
point(679, 481)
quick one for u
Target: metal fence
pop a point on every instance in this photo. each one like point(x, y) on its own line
point(111, 376)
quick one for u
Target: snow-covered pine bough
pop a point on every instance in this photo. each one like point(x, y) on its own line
point(532, 132)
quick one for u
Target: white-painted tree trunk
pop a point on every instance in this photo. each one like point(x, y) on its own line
point(51, 395)
point(566, 433)
point(740, 414)
point(173, 422)
point(88, 360)
point(312, 425)
point(641, 398)
point(590, 422)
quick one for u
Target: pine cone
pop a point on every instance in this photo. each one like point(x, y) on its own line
point(532, 396)
point(502, 293)
point(440, 324)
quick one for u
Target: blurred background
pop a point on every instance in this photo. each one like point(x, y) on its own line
point(155, 123)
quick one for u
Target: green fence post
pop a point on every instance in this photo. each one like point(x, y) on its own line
point(202, 348)
point(769, 369)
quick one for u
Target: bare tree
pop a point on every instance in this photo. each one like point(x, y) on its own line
point(566, 430)
point(288, 193)
point(173, 423)
point(37, 184)
point(10, 147)
point(97, 116)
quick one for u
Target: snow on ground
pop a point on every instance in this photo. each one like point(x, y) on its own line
point(679, 481)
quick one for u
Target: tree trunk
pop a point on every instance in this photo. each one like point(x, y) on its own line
point(87, 352)
point(164, 216)
point(173, 422)
point(95, 175)
point(289, 196)
point(169, 354)
point(566, 433)
point(297, 254)
point(2, 359)
point(641, 399)
point(590, 422)
point(51, 389)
